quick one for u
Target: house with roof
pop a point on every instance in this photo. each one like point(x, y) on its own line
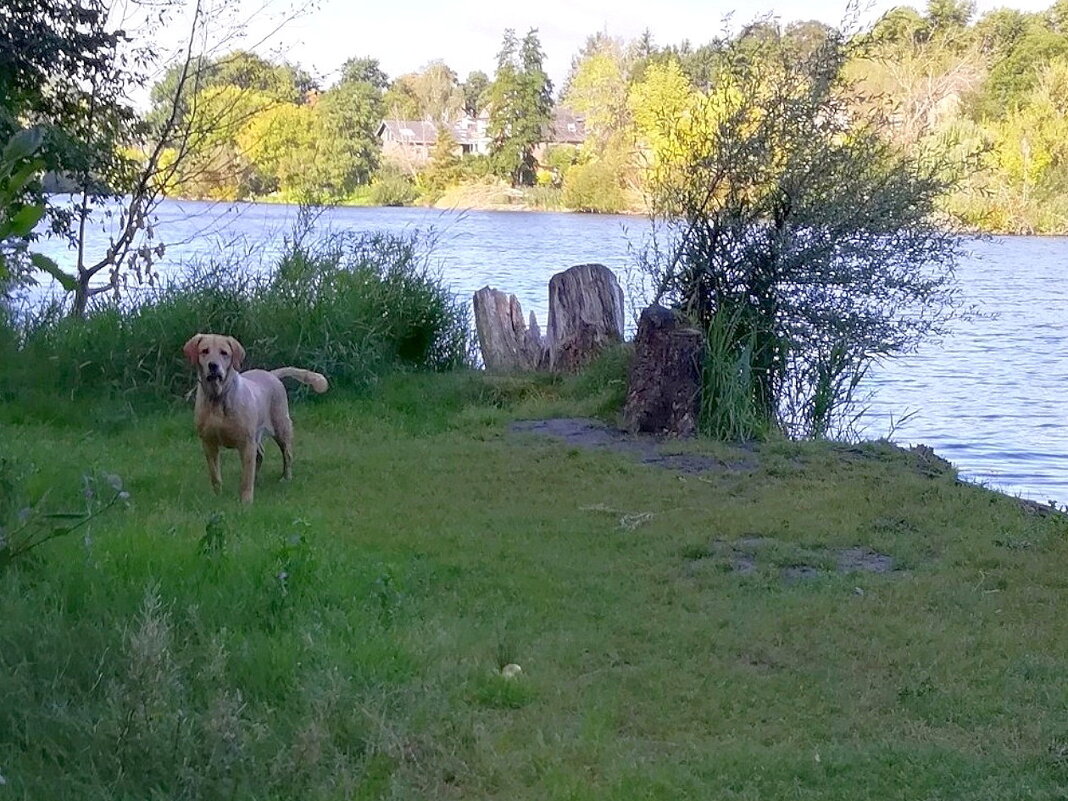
point(410, 143)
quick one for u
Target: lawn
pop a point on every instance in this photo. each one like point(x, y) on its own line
point(343, 637)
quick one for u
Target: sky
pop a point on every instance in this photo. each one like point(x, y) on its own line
point(406, 34)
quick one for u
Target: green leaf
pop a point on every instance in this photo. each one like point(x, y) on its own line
point(23, 220)
point(23, 144)
point(22, 176)
point(45, 264)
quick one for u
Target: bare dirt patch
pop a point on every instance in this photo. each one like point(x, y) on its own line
point(752, 554)
point(644, 448)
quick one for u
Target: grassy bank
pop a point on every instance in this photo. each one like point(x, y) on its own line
point(343, 637)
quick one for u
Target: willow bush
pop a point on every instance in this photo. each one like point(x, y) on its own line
point(789, 226)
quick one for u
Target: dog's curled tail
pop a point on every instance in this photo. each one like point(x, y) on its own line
point(316, 381)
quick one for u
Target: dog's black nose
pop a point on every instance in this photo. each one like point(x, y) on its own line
point(213, 367)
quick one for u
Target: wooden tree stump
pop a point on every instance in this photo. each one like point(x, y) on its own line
point(664, 390)
point(585, 315)
point(507, 344)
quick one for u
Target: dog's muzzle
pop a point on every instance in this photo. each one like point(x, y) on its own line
point(213, 379)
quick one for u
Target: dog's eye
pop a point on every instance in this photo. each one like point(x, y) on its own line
point(223, 353)
point(204, 351)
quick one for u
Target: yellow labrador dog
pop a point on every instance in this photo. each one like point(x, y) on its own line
point(235, 409)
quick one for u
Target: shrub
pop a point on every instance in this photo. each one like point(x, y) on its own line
point(391, 187)
point(785, 220)
point(351, 306)
point(594, 186)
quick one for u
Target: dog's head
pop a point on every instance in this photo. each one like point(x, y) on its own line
point(217, 358)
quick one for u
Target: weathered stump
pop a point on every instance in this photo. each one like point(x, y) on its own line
point(507, 345)
point(585, 315)
point(664, 390)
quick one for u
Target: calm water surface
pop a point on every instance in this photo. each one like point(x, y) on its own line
point(992, 396)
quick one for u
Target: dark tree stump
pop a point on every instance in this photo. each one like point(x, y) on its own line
point(506, 343)
point(585, 315)
point(664, 390)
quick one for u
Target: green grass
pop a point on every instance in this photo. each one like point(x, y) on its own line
point(354, 306)
point(342, 638)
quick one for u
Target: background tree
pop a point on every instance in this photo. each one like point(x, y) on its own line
point(400, 101)
point(433, 94)
point(364, 70)
point(438, 93)
point(520, 100)
point(61, 73)
point(474, 89)
point(949, 15)
point(279, 144)
point(798, 236)
point(1014, 75)
point(346, 145)
point(281, 82)
point(598, 91)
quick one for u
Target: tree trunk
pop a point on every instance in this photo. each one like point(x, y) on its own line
point(585, 315)
point(664, 389)
point(506, 343)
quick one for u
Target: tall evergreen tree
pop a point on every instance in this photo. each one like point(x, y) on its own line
point(520, 107)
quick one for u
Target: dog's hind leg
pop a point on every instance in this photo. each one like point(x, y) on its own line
point(283, 435)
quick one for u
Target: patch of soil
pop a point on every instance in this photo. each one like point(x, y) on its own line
point(798, 573)
point(852, 560)
point(746, 555)
point(645, 448)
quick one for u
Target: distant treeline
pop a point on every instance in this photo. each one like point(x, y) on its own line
point(992, 91)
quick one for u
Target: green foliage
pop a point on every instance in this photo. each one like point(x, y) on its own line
point(594, 186)
point(1014, 75)
point(346, 144)
point(364, 70)
point(732, 407)
point(781, 204)
point(520, 100)
point(280, 145)
point(20, 166)
point(248, 138)
point(392, 187)
point(248, 72)
point(474, 89)
point(598, 90)
point(57, 61)
point(352, 307)
point(28, 523)
point(445, 168)
point(434, 93)
point(423, 548)
point(65, 70)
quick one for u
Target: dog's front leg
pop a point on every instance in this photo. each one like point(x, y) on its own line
point(248, 470)
point(211, 453)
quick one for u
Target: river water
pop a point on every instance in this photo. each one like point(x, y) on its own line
point(992, 396)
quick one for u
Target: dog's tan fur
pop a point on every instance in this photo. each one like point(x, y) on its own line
point(235, 409)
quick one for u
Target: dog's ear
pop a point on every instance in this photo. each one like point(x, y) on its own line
point(238, 351)
point(191, 347)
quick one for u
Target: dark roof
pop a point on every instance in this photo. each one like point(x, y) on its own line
point(413, 132)
point(566, 127)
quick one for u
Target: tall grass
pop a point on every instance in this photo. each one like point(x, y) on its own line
point(352, 306)
point(730, 394)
